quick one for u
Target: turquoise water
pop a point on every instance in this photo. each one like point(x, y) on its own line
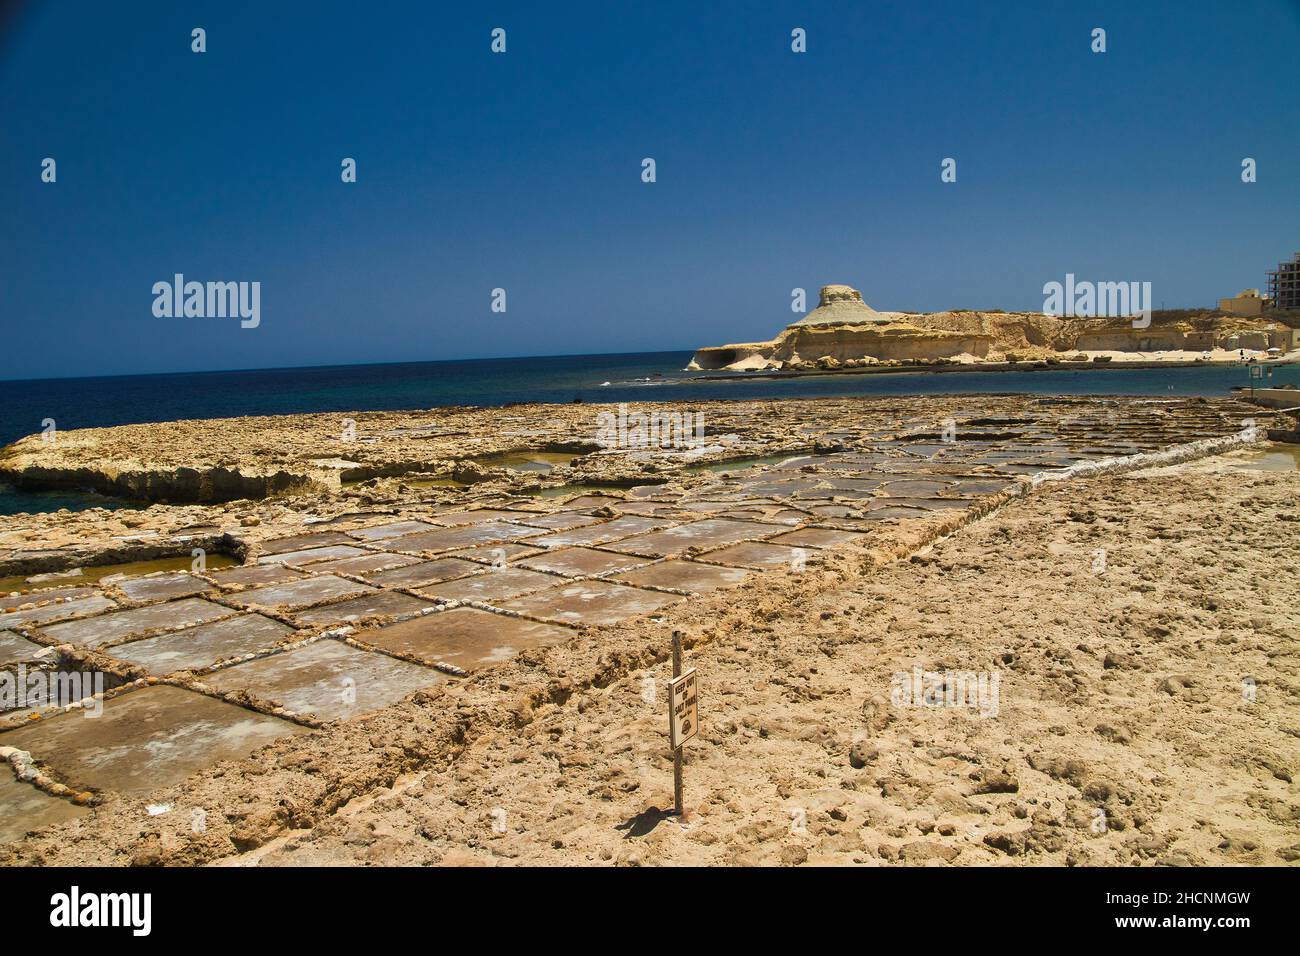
point(648, 376)
point(15, 501)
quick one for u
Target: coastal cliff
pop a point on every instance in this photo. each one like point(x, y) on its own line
point(845, 332)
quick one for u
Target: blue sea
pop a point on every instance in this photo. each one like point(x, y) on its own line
point(645, 376)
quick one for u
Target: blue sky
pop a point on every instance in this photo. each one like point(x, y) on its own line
point(523, 170)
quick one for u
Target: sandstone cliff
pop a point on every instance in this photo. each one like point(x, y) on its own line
point(845, 332)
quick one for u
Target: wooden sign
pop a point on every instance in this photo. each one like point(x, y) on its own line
point(683, 709)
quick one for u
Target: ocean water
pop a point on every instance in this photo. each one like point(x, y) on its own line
point(646, 376)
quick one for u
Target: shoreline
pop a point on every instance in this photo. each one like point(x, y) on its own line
point(657, 377)
point(260, 458)
point(215, 461)
point(1035, 365)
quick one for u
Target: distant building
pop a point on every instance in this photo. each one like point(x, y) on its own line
point(1255, 341)
point(1284, 338)
point(1284, 285)
point(1245, 302)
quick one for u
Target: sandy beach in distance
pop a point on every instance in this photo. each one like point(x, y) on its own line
point(1091, 361)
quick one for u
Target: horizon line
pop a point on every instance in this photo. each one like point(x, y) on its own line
point(288, 368)
point(486, 358)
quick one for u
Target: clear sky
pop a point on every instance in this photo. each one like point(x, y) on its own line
point(522, 170)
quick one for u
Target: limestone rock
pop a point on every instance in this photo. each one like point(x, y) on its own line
point(841, 305)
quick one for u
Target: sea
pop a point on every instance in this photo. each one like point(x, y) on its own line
point(26, 406)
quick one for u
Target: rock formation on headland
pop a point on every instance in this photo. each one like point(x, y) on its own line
point(841, 305)
point(845, 332)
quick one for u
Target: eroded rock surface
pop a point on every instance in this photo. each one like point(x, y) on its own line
point(388, 633)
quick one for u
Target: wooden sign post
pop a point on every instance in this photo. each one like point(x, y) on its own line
point(683, 716)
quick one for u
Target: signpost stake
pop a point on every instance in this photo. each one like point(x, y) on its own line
point(678, 808)
point(683, 717)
